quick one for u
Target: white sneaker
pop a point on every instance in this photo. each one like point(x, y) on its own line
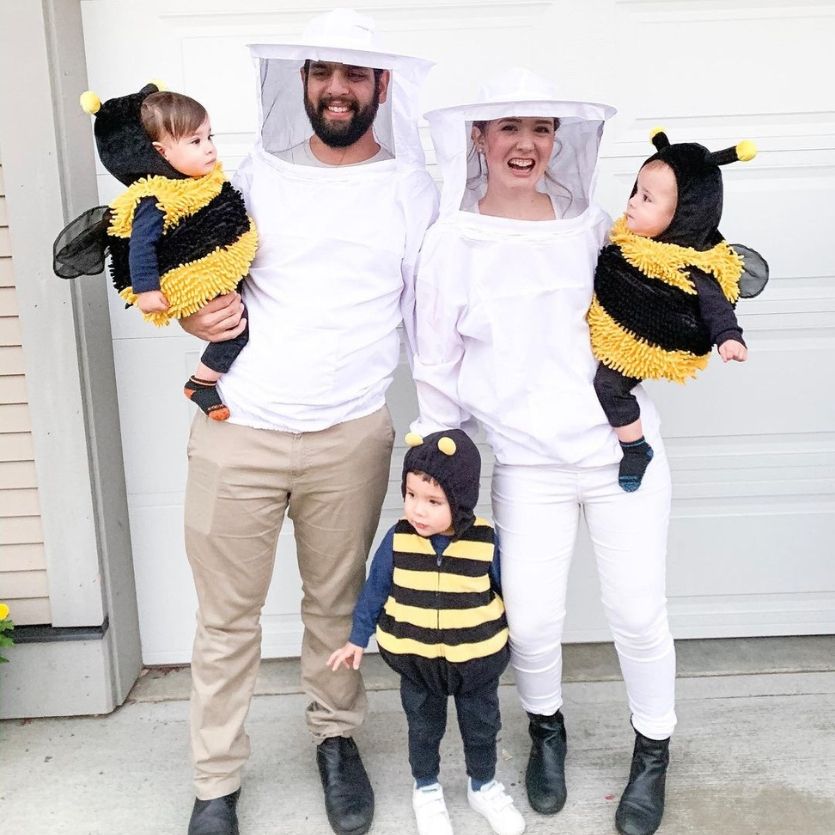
point(430, 811)
point(493, 803)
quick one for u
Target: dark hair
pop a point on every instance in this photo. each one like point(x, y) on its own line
point(171, 114)
point(481, 124)
point(426, 477)
point(376, 70)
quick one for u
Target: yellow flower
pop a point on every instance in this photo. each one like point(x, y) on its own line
point(4, 611)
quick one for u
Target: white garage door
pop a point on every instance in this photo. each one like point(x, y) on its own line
point(752, 446)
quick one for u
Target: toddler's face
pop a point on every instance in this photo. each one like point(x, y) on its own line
point(650, 210)
point(426, 506)
point(193, 154)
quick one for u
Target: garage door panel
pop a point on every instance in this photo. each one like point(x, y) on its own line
point(752, 446)
point(751, 554)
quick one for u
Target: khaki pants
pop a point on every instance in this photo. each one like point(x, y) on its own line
point(241, 481)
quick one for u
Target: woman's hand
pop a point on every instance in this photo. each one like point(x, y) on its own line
point(218, 320)
point(350, 655)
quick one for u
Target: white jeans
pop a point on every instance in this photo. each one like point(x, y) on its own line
point(536, 511)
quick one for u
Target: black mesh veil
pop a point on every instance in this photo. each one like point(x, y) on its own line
point(81, 246)
point(754, 272)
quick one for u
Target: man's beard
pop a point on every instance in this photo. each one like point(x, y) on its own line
point(341, 134)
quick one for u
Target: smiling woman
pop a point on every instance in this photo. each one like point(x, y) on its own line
point(505, 281)
point(516, 153)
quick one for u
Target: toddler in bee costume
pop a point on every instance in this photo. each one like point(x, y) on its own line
point(179, 235)
point(666, 286)
point(432, 595)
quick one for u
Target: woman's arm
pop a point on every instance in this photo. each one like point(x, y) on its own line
point(440, 350)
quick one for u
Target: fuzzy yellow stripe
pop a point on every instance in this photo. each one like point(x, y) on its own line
point(633, 356)
point(457, 654)
point(189, 286)
point(429, 581)
point(669, 262)
point(412, 543)
point(176, 199)
point(445, 618)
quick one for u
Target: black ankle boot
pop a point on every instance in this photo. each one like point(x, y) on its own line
point(349, 798)
point(545, 777)
point(215, 817)
point(641, 806)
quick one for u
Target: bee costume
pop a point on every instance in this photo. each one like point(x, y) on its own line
point(433, 603)
point(207, 241)
point(661, 303)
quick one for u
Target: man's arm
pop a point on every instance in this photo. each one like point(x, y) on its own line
point(218, 320)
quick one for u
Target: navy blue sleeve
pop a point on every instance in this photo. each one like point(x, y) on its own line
point(374, 593)
point(716, 311)
point(496, 565)
point(142, 253)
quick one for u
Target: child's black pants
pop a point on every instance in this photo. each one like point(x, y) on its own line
point(425, 692)
point(614, 391)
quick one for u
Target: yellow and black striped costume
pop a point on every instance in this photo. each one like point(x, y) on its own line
point(442, 607)
point(208, 240)
point(644, 318)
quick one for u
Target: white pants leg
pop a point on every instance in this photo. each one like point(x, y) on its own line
point(536, 511)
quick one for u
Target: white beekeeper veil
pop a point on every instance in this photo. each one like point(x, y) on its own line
point(570, 174)
point(346, 37)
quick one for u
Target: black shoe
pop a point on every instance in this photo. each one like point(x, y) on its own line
point(349, 798)
point(642, 805)
point(545, 776)
point(215, 817)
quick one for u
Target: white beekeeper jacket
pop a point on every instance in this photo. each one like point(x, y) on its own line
point(501, 304)
point(334, 273)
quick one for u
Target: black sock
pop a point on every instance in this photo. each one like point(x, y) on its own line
point(204, 394)
point(633, 465)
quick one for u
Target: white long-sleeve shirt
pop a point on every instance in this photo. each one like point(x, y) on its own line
point(502, 337)
point(331, 281)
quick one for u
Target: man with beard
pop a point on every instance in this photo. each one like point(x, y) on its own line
point(341, 214)
point(341, 124)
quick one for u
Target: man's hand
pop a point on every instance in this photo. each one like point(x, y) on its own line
point(218, 320)
point(350, 655)
point(731, 349)
point(153, 301)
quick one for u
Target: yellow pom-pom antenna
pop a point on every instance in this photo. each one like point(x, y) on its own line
point(446, 445)
point(743, 151)
point(90, 102)
point(659, 139)
point(160, 85)
point(413, 439)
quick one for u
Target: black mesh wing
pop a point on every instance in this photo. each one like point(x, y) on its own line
point(82, 245)
point(754, 273)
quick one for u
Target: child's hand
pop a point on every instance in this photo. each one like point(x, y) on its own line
point(733, 350)
point(350, 655)
point(153, 301)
